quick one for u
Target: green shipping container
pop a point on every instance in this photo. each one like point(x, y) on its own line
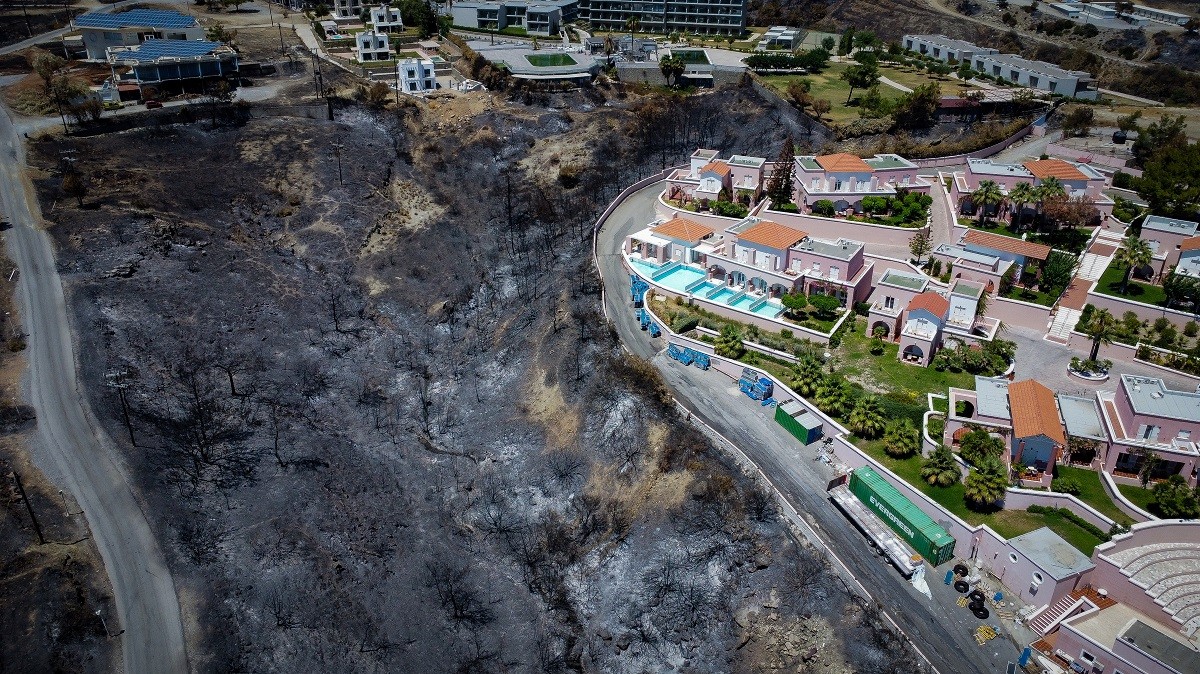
point(799, 421)
point(905, 518)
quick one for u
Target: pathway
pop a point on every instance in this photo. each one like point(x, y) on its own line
point(1091, 267)
point(894, 84)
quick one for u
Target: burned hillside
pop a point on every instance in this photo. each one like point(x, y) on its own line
point(379, 423)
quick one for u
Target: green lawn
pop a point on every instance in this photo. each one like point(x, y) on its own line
point(1030, 295)
point(1138, 496)
point(1067, 239)
point(1093, 492)
point(906, 381)
point(1007, 523)
point(913, 78)
point(550, 60)
point(829, 85)
point(1110, 284)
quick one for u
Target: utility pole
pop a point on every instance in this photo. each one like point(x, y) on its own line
point(29, 506)
point(337, 152)
point(282, 49)
point(117, 380)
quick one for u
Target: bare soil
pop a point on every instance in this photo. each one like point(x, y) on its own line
point(379, 420)
point(14, 28)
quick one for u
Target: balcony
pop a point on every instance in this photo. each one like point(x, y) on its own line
point(892, 311)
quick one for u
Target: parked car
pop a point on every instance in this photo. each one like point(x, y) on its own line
point(150, 105)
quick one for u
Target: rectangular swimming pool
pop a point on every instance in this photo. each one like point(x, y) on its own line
point(679, 278)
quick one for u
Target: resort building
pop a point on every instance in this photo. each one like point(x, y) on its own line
point(1138, 609)
point(780, 37)
point(1022, 71)
point(1078, 180)
point(893, 292)
point(172, 66)
point(129, 29)
point(1037, 439)
point(544, 18)
point(386, 19)
point(905, 310)
point(739, 178)
point(1189, 258)
point(1143, 417)
point(371, 45)
point(845, 179)
point(922, 331)
point(709, 17)
point(1166, 237)
point(1159, 15)
point(347, 11)
point(416, 75)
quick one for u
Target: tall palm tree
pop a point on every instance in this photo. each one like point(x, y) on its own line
point(987, 194)
point(1050, 188)
point(833, 397)
point(940, 469)
point(866, 418)
point(1019, 195)
point(810, 374)
point(1133, 254)
point(986, 484)
point(1102, 328)
point(901, 438)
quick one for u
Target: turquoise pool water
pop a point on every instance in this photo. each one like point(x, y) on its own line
point(743, 302)
point(769, 310)
point(702, 289)
point(642, 267)
point(679, 278)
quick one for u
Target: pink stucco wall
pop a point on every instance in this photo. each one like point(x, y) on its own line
point(834, 228)
point(1118, 306)
point(1024, 314)
point(1108, 575)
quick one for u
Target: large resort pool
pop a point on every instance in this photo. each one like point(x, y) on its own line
point(688, 280)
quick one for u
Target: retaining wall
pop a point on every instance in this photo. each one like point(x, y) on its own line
point(1064, 152)
point(1020, 499)
point(1015, 312)
point(1148, 312)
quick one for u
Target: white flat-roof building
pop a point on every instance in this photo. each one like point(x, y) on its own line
point(386, 19)
point(128, 29)
point(372, 46)
point(1022, 71)
point(1160, 15)
point(416, 76)
point(347, 10)
point(780, 37)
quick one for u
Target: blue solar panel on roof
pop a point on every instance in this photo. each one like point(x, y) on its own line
point(154, 18)
point(156, 49)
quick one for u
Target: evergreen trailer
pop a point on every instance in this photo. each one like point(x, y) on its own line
point(911, 523)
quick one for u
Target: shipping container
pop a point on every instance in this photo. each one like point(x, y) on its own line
point(798, 421)
point(910, 522)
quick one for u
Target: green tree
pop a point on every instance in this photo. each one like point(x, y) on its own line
point(794, 302)
point(1150, 461)
point(860, 76)
point(901, 439)
point(986, 484)
point(821, 107)
point(979, 445)
point(219, 33)
point(780, 186)
point(1051, 188)
point(846, 42)
point(828, 43)
point(809, 375)
point(940, 469)
point(1133, 254)
point(1170, 183)
point(1166, 132)
point(1181, 289)
point(918, 110)
point(866, 418)
point(1102, 327)
point(1173, 498)
point(1057, 272)
point(833, 396)
point(920, 244)
point(824, 207)
point(987, 194)
point(1078, 121)
point(1129, 122)
point(1020, 195)
point(826, 305)
point(729, 343)
point(672, 68)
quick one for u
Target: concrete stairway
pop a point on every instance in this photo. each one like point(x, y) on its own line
point(1092, 266)
point(1062, 325)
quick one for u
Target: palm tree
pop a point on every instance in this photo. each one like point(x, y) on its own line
point(833, 397)
point(632, 24)
point(986, 484)
point(987, 194)
point(1050, 188)
point(901, 438)
point(729, 343)
point(1133, 254)
point(866, 419)
point(1021, 194)
point(940, 469)
point(1150, 461)
point(1102, 328)
point(810, 374)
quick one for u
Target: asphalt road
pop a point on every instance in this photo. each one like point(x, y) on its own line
point(71, 447)
point(938, 627)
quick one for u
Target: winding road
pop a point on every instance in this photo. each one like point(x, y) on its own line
point(71, 447)
point(939, 628)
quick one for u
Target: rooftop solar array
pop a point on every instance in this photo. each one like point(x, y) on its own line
point(151, 18)
point(151, 50)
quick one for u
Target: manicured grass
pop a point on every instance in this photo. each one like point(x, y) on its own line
point(407, 55)
point(941, 405)
point(1093, 492)
point(1007, 523)
point(1110, 284)
point(912, 78)
point(829, 85)
point(908, 382)
point(1138, 496)
point(1030, 295)
point(550, 60)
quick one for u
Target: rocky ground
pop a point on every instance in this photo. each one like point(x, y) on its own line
point(378, 419)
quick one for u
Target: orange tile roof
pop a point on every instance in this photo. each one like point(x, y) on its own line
point(772, 235)
point(682, 229)
point(1190, 244)
point(1007, 244)
point(931, 302)
point(1034, 411)
point(716, 167)
point(842, 162)
point(1063, 170)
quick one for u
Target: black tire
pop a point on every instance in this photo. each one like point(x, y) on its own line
point(960, 569)
point(961, 586)
point(982, 613)
point(977, 596)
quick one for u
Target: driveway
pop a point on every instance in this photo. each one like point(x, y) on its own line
point(1047, 362)
point(72, 449)
point(939, 628)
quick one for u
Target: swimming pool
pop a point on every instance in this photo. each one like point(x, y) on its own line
point(642, 267)
point(679, 278)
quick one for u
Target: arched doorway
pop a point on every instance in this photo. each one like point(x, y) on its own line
point(881, 329)
point(914, 353)
point(757, 284)
point(737, 278)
